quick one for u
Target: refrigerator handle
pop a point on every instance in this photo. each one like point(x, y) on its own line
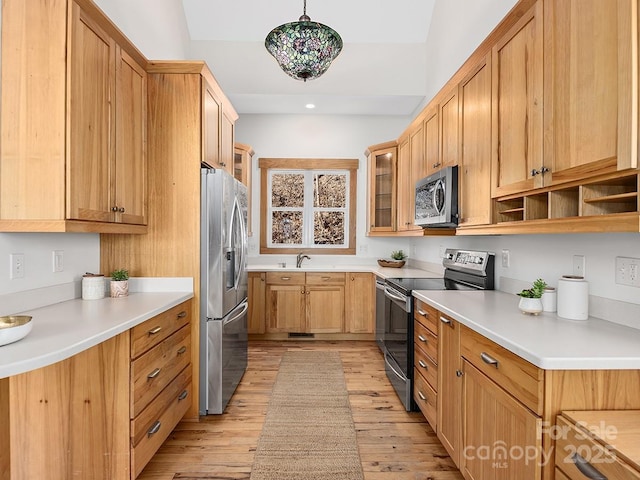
point(237, 232)
point(244, 305)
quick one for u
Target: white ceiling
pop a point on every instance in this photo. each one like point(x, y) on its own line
point(381, 70)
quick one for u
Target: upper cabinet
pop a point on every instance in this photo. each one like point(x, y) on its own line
point(449, 125)
point(72, 155)
point(431, 129)
point(517, 106)
point(590, 88)
point(381, 212)
point(242, 156)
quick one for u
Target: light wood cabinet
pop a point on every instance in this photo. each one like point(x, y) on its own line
point(256, 296)
point(79, 144)
point(227, 138)
point(359, 303)
point(426, 363)
point(517, 101)
point(590, 88)
point(242, 168)
point(449, 130)
point(475, 146)
point(181, 98)
point(382, 169)
point(405, 189)
point(431, 129)
point(305, 303)
point(450, 387)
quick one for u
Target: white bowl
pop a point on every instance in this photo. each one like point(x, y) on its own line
point(14, 328)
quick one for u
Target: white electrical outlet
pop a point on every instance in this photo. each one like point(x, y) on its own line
point(628, 271)
point(579, 265)
point(17, 265)
point(58, 260)
point(506, 260)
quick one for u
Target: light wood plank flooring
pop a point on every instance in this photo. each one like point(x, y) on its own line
point(393, 444)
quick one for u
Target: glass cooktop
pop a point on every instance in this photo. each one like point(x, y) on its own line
point(407, 285)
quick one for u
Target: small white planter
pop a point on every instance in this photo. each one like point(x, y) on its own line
point(532, 306)
point(119, 288)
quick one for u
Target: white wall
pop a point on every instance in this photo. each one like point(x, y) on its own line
point(320, 136)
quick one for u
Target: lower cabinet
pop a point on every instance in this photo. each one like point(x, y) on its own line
point(311, 302)
point(102, 413)
point(450, 386)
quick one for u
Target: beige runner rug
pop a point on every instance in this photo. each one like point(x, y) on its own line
point(308, 432)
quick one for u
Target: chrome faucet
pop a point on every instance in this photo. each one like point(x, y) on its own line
point(299, 259)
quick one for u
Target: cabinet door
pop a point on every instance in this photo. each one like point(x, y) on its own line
point(590, 88)
point(517, 106)
point(450, 386)
point(91, 120)
point(256, 295)
point(382, 190)
point(431, 142)
point(405, 190)
point(285, 308)
point(226, 143)
point(449, 124)
point(360, 303)
point(325, 309)
point(211, 111)
point(130, 188)
point(475, 146)
point(502, 439)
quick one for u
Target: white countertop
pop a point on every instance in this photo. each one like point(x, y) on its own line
point(64, 329)
point(384, 272)
point(546, 340)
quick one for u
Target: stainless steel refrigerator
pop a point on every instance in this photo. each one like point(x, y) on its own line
point(223, 288)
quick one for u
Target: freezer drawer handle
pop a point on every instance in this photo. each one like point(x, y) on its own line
point(154, 428)
point(183, 395)
point(153, 331)
point(423, 365)
point(154, 374)
point(421, 395)
point(488, 359)
point(422, 339)
point(181, 350)
point(586, 468)
point(182, 314)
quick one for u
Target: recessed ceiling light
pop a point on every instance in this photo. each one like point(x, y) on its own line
point(310, 105)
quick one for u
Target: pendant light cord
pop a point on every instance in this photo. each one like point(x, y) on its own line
point(304, 10)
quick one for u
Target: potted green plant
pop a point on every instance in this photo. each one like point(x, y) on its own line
point(530, 298)
point(119, 283)
point(397, 260)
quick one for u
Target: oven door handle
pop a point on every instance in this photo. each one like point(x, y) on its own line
point(392, 296)
point(399, 375)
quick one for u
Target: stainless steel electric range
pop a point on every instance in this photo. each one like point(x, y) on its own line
point(464, 270)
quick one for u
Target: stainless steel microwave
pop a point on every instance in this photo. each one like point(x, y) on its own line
point(437, 199)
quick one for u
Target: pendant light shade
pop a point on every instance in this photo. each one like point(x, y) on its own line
point(304, 49)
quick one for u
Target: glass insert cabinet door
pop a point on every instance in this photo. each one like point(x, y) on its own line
point(382, 189)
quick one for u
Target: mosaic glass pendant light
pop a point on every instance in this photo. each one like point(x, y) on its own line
point(304, 49)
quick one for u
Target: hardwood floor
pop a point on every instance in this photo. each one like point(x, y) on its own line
point(393, 444)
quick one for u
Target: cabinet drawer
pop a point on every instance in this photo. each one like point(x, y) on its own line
point(179, 391)
point(153, 436)
point(426, 340)
point(426, 315)
point(285, 278)
point(325, 278)
point(426, 366)
point(425, 397)
point(156, 329)
point(154, 370)
point(578, 452)
point(517, 376)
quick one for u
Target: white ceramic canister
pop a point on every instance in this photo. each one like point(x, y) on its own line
point(573, 298)
point(93, 286)
point(549, 299)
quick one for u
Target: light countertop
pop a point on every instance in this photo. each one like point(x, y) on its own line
point(384, 272)
point(546, 340)
point(64, 329)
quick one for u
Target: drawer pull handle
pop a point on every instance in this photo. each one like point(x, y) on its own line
point(326, 278)
point(423, 313)
point(153, 331)
point(488, 359)
point(421, 395)
point(423, 365)
point(183, 395)
point(422, 339)
point(586, 468)
point(154, 428)
point(285, 278)
point(182, 314)
point(446, 321)
point(181, 350)
point(154, 374)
